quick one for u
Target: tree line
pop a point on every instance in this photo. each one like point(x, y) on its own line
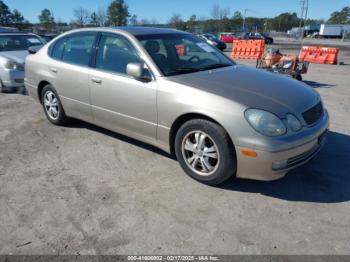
point(117, 14)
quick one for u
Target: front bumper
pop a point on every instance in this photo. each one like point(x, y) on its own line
point(12, 78)
point(274, 164)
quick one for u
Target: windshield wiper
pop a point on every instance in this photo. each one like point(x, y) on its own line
point(213, 66)
point(183, 70)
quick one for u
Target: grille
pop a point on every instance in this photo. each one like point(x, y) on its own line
point(312, 115)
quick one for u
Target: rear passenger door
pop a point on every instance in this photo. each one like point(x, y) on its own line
point(120, 102)
point(70, 67)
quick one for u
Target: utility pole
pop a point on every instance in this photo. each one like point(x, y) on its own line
point(279, 24)
point(244, 16)
point(303, 17)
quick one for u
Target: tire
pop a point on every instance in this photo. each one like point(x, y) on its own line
point(299, 77)
point(4, 89)
point(214, 160)
point(53, 109)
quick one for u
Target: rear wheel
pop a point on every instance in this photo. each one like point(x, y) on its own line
point(52, 106)
point(205, 152)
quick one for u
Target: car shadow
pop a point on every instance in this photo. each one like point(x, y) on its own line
point(22, 91)
point(18, 90)
point(81, 124)
point(314, 84)
point(325, 179)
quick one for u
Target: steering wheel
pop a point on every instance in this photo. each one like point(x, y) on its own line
point(193, 58)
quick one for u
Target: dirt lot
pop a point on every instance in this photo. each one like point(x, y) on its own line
point(82, 189)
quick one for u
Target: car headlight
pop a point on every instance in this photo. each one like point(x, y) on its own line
point(10, 64)
point(293, 123)
point(265, 122)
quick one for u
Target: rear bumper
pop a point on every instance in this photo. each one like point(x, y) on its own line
point(32, 90)
point(272, 165)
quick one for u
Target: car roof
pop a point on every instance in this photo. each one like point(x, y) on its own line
point(16, 33)
point(47, 34)
point(130, 30)
point(142, 30)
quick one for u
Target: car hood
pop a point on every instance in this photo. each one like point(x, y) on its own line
point(253, 88)
point(17, 56)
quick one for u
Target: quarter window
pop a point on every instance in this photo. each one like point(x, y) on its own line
point(78, 48)
point(115, 53)
point(58, 49)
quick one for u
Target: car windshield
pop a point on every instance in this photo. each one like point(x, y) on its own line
point(210, 37)
point(177, 54)
point(18, 42)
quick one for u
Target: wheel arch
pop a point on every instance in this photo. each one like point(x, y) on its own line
point(41, 86)
point(185, 118)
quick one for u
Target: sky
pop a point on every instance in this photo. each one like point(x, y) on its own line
point(162, 10)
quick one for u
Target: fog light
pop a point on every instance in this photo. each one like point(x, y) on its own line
point(279, 165)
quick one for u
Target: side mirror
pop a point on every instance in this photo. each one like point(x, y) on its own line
point(139, 72)
point(34, 49)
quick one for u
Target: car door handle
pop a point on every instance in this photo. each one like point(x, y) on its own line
point(53, 69)
point(96, 80)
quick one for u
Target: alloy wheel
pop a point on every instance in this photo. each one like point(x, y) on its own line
point(51, 105)
point(200, 153)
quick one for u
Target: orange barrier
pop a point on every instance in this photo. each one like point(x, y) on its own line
point(319, 55)
point(248, 49)
point(181, 50)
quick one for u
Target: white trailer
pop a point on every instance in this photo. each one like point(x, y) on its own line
point(346, 28)
point(331, 30)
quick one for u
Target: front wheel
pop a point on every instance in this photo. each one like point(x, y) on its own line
point(205, 152)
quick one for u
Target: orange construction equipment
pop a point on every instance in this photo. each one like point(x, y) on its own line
point(319, 55)
point(248, 49)
point(287, 64)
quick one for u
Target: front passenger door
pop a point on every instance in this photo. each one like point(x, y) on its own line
point(120, 102)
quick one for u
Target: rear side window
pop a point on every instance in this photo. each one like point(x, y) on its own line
point(58, 48)
point(115, 53)
point(78, 48)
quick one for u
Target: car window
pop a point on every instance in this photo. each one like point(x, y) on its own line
point(192, 50)
point(211, 37)
point(163, 52)
point(18, 42)
point(182, 53)
point(58, 47)
point(115, 53)
point(78, 48)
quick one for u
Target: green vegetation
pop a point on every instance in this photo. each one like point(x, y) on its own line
point(341, 17)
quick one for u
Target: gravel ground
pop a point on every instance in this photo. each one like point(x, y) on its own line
point(84, 190)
